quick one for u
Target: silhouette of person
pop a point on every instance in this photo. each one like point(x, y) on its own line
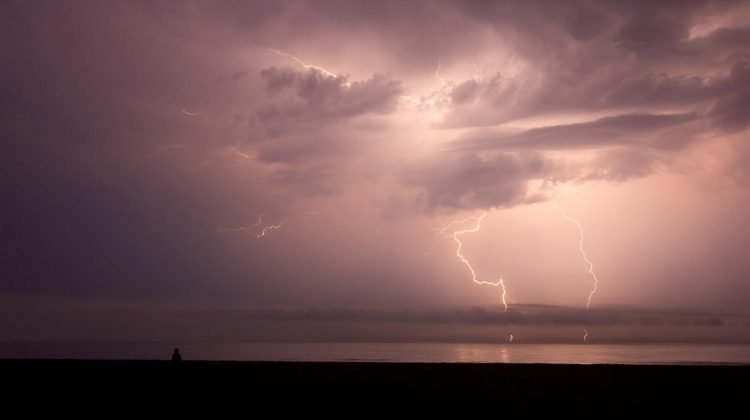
point(176, 356)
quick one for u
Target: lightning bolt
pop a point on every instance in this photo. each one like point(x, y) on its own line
point(583, 252)
point(585, 334)
point(500, 283)
point(267, 229)
point(442, 229)
point(437, 73)
point(243, 155)
point(307, 66)
point(510, 338)
point(245, 229)
point(251, 230)
point(192, 114)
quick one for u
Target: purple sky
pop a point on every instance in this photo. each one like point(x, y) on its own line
point(142, 140)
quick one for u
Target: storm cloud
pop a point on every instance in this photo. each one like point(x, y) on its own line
point(142, 140)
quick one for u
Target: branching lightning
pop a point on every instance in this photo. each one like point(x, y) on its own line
point(432, 100)
point(245, 229)
point(443, 228)
point(252, 229)
point(583, 252)
point(500, 283)
point(268, 228)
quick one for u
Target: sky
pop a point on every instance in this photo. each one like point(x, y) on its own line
point(255, 170)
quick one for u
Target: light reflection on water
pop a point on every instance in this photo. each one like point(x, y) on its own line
point(395, 352)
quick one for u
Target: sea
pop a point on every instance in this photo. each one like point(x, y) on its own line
point(638, 354)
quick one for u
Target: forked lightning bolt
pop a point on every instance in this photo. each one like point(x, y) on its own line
point(443, 228)
point(456, 235)
point(583, 252)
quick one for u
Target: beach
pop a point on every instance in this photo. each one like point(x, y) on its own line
point(385, 383)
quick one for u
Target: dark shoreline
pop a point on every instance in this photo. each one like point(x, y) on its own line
point(410, 383)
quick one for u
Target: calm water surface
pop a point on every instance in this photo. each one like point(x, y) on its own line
point(394, 352)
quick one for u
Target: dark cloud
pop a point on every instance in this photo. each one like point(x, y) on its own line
point(306, 107)
point(518, 315)
point(645, 30)
point(737, 38)
point(640, 58)
point(665, 87)
point(468, 181)
point(464, 92)
point(94, 321)
point(467, 178)
point(728, 113)
point(501, 100)
point(314, 95)
point(620, 164)
point(644, 129)
point(306, 124)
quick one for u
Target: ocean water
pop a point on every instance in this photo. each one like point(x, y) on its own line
point(393, 352)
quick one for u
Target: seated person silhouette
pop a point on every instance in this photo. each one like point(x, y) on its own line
point(176, 356)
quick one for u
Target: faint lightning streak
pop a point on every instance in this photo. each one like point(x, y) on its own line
point(251, 230)
point(268, 228)
point(437, 73)
point(510, 338)
point(245, 229)
point(585, 334)
point(192, 114)
point(466, 262)
point(235, 150)
point(583, 252)
point(305, 65)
